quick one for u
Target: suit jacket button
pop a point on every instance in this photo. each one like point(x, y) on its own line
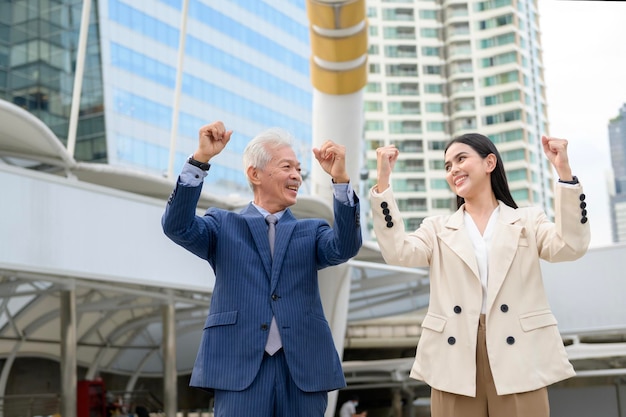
point(387, 218)
point(583, 205)
point(582, 197)
point(264, 326)
point(583, 220)
point(510, 340)
point(275, 297)
point(504, 308)
point(451, 340)
point(458, 309)
point(384, 205)
point(390, 224)
point(386, 211)
point(583, 212)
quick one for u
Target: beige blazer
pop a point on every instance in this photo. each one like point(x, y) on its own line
point(524, 345)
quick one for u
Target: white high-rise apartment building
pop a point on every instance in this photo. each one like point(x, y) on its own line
point(438, 69)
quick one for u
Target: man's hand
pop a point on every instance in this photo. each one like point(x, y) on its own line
point(212, 139)
point(556, 151)
point(332, 159)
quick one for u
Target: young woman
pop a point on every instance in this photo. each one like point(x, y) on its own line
point(490, 344)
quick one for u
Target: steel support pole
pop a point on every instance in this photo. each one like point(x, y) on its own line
point(68, 352)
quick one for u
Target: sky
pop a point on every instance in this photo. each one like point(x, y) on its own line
point(584, 56)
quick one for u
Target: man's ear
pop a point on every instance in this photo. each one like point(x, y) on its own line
point(491, 160)
point(253, 175)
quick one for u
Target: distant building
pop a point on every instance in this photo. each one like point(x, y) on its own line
point(440, 69)
point(244, 62)
point(617, 197)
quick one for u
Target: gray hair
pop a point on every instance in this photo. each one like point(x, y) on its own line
point(258, 151)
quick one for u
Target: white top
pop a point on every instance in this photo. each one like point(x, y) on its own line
point(482, 244)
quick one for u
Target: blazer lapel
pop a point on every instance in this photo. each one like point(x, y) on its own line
point(258, 228)
point(456, 238)
point(284, 229)
point(504, 244)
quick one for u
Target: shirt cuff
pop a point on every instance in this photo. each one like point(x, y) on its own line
point(191, 176)
point(344, 193)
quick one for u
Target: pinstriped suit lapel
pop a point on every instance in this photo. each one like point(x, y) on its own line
point(284, 229)
point(258, 229)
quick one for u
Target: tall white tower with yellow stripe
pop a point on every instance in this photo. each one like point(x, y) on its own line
point(338, 31)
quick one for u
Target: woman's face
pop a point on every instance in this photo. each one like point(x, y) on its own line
point(467, 173)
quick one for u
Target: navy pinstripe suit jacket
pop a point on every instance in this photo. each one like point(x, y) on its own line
point(249, 289)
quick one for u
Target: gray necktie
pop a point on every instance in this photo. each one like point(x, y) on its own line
point(273, 340)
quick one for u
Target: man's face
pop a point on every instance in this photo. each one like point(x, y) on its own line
point(276, 185)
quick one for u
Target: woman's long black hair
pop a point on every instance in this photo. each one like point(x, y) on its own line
point(484, 146)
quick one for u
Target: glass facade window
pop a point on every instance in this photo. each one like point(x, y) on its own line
point(438, 184)
point(434, 107)
point(517, 174)
point(442, 203)
point(507, 136)
point(412, 204)
point(429, 14)
point(372, 106)
point(505, 117)
point(401, 70)
point(501, 98)
point(405, 126)
point(492, 4)
point(409, 184)
point(437, 145)
point(432, 69)
point(500, 59)
point(504, 78)
point(373, 87)
point(513, 155)
point(374, 125)
point(435, 126)
point(399, 32)
point(495, 22)
point(499, 40)
point(401, 51)
point(410, 165)
point(409, 145)
point(398, 14)
point(403, 107)
point(431, 88)
point(402, 89)
point(37, 59)
point(431, 51)
point(429, 33)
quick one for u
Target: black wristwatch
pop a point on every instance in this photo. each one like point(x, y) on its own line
point(202, 165)
point(573, 181)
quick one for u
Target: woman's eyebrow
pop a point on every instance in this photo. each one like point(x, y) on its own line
point(447, 161)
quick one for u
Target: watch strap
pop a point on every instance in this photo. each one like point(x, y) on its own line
point(202, 165)
point(573, 181)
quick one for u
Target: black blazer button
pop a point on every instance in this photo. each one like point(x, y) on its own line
point(583, 220)
point(451, 340)
point(510, 340)
point(582, 197)
point(389, 224)
point(384, 205)
point(583, 212)
point(504, 308)
point(458, 309)
point(264, 326)
point(386, 211)
point(583, 205)
point(387, 218)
